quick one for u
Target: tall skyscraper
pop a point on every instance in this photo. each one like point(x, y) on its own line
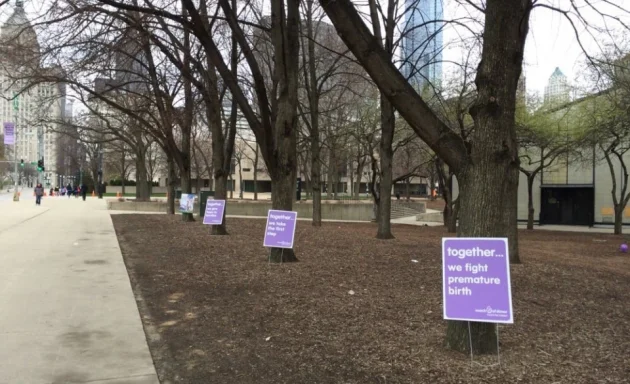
point(422, 42)
point(38, 110)
point(557, 90)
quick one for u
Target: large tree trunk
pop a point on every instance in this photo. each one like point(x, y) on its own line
point(316, 182)
point(329, 173)
point(618, 219)
point(220, 193)
point(489, 181)
point(123, 172)
point(282, 196)
point(186, 122)
point(256, 174)
point(530, 202)
point(143, 193)
point(240, 179)
point(313, 93)
point(186, 182)
point(386, 157)
point(283, 160)
point(357, 184)
point(511, 217)
point(172, 181)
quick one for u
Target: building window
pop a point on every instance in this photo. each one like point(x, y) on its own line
point(246, 169)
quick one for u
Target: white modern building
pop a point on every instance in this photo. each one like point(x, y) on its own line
point(36, 110)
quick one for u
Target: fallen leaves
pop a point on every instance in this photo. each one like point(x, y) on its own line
point(570, 299)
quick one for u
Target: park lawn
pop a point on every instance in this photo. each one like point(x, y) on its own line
point(216, 312)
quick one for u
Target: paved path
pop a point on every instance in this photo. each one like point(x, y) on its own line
point(67, 311)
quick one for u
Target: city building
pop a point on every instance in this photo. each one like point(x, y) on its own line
point(576, 189)
point(422, 43)
point(36, 109)
point(557, 90)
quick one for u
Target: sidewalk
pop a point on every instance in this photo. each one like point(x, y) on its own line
point(67, 311)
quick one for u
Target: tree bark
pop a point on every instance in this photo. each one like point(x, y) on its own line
point(170, 201)
point(530, 201)
point(232, 186)
point(186, 183)
point(282, 196)
point(489, 182)
point(329, 173)
point(285, 38)
point(357, 184)
point(143, 193)
point(386, 158)
point(220, 193)
point(618, 219)
point(186, 121)
point(511, 216)
point(123, 172)
point(316, 179)
point(220, 165)
point(256, 174)
point(313, 97)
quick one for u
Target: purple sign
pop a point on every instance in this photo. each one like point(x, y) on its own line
point(280, 229)
point(214, 212)
point(476, 280)
point(9, 133)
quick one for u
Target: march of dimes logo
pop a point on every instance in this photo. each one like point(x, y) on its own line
point(491, 312)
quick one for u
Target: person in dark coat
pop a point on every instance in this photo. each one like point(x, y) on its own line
point(69, 190)
point(83, 191)
point(39, 192)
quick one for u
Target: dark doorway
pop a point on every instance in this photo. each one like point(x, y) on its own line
point(567, 205)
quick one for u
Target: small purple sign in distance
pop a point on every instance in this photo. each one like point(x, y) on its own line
point(280, 229)
point(214, 212)
point(476, 280)
point(9, 133)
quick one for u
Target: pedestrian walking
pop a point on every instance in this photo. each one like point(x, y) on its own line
point(83, 191)
point(69, 190)
point(39, 192)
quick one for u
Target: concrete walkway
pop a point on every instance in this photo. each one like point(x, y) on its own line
point(67, 311)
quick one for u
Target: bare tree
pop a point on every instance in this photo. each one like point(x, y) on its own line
point(487, 163)
point(606, 115)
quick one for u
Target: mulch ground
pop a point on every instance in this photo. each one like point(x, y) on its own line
point(216, 312)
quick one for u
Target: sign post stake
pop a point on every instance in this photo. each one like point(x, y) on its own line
point(471, 347)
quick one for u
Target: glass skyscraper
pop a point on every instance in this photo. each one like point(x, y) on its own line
point(422, 42)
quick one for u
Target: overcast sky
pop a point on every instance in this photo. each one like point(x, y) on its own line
point(551, 42)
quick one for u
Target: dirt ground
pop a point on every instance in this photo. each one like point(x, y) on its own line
point(216, 312)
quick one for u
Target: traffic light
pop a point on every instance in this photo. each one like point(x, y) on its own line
point(21, 162)
point(40, 165)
